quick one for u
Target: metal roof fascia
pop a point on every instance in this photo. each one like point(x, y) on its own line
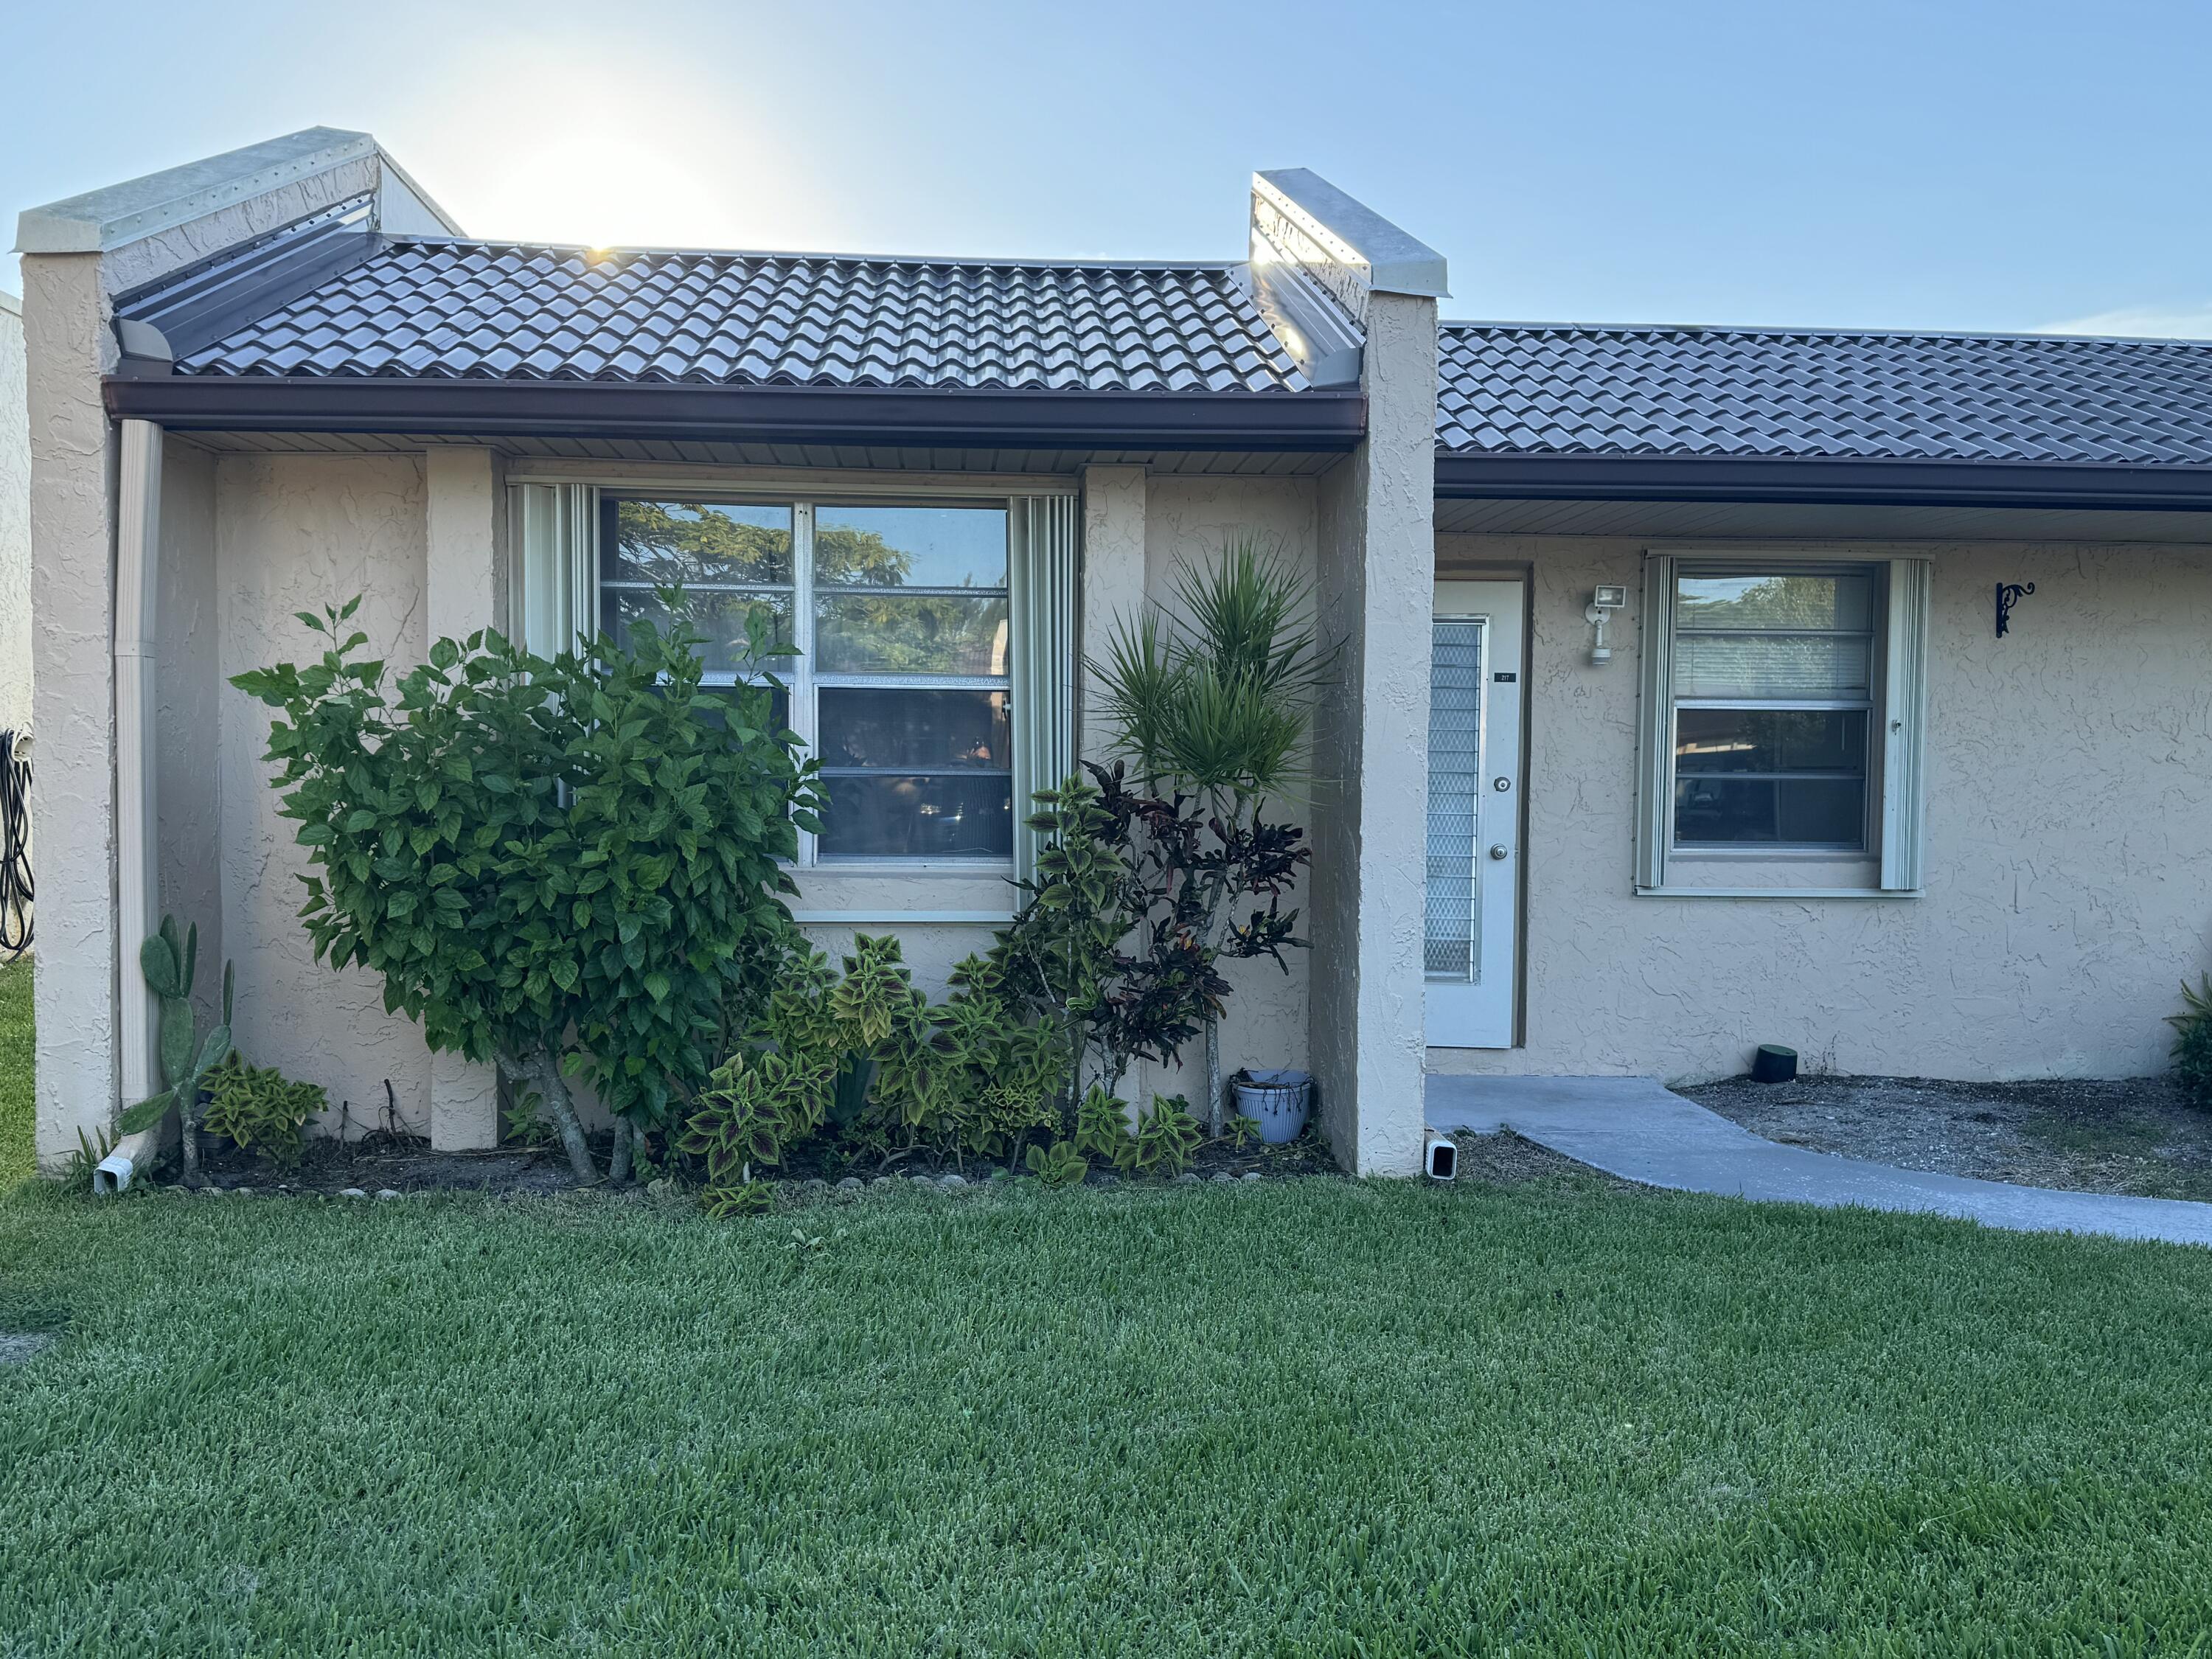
point(1311, 421)
point(1816, 479)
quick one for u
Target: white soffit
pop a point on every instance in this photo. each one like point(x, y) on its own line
point(102, 218)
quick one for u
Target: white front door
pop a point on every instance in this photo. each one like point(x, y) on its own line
point(1470, 936)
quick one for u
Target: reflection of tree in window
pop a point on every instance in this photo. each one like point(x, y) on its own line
point(891, 633)
point(846, 558)
point(667, 543)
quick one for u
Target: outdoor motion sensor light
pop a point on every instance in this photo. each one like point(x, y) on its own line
point(1602, 604)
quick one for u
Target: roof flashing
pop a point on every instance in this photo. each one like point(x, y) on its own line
point(1389, 261)
point(98, 220)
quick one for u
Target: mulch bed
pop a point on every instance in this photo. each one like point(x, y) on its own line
point(384, 1162)
point(1504, 1160)
point(2135, 1135)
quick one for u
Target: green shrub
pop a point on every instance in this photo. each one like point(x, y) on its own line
point(1059, 1165)
point(1124, 926)
point(758, 1103)
point(2192, 1043)
point(259, 1109)
point(1102, 1124)
point(563, 867)
point(1167, 1138)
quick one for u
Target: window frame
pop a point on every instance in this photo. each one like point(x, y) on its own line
point(1890, 859)
point(803, 680)
point(1870, 705)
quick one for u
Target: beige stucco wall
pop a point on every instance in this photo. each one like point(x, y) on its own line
point(15, 524)
point(189, 697)
point(2069, 839)
point(248, 540)
point(295, 533)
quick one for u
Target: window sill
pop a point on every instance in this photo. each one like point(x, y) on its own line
point(1001, 868)
point(885, 916)
point(908, 892)
point(1784, 894)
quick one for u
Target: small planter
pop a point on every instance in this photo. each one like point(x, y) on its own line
point(1277, 1101)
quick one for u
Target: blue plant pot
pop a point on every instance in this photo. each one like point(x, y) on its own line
point(1278, 1101)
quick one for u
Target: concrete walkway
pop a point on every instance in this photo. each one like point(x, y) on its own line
point(1634, 1128)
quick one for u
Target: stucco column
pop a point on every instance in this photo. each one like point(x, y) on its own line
point(465, 584)
point(68, 348)
point(1112, 591)
point(1113, 578)
point(1376, 567)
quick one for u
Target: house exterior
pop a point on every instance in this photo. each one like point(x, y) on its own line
point(1691, 692)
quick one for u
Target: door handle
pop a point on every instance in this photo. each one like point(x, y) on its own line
point(1497, 851)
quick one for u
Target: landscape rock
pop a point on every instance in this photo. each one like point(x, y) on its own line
point(387, 1192)
point(353, 1192)
point(883, 1183)
point(950, 1182)
point(923, 1181)
point(1250, 1174)
point(1189, 1176)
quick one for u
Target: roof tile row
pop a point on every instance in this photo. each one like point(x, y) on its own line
point(1523, 389)
point(478, 311)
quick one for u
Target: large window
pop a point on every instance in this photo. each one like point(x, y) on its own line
point(900, 680)
point(1773, 691)
point(1783, 703)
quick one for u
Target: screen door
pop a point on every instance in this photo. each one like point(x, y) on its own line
point(1470, 932)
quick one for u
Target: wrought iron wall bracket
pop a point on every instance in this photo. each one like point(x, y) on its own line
point(2009, 595)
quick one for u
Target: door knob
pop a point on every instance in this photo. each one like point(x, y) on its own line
point(1498, 850)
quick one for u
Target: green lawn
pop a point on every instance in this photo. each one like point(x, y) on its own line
point(15, 1105)
point(1308, 1417)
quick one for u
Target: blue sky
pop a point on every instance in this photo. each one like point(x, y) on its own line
point(2018, 166)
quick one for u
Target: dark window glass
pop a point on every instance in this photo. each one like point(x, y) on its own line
point(935, 815)
point(1721, 810)
point(1771, 740)
point(1751, 777)
point(924, 729)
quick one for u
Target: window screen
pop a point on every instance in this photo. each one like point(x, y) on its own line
point(1773, 698)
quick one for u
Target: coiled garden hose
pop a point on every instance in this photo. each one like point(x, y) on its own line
point(15, 848)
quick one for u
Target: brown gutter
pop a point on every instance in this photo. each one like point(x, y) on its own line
point(937, 416)
point(1822, 480)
